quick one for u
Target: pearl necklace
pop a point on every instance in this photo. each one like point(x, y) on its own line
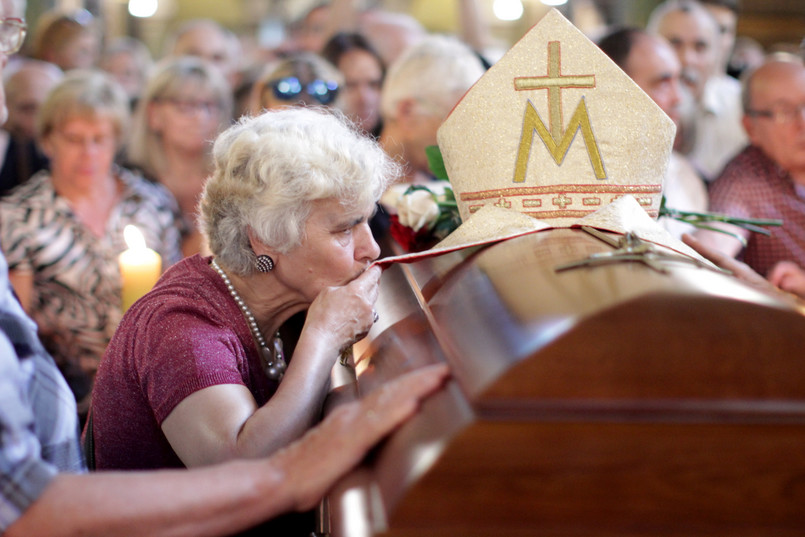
point(273, 359)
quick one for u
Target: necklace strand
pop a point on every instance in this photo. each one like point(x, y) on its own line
point(273, 359)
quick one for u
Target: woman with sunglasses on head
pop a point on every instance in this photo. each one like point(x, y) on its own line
point(302, 79)
point(204, 368)
point(185, 104)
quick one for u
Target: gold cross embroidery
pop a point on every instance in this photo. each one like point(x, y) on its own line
point(562, 201)
point(558, 140)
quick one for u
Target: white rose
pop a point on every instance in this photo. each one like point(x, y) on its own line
point(417, 210)
point(391, 197)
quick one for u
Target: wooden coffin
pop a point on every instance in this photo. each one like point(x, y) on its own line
point(610, 400)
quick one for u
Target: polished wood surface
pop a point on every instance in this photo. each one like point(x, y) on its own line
point(612, 400)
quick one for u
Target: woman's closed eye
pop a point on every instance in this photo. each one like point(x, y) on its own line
point(349, 227)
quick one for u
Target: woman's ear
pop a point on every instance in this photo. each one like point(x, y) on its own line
point(258, 247)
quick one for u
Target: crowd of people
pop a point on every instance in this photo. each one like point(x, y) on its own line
point(102, 139)
point(740, 145)
point(285, 217)
point(266, 190)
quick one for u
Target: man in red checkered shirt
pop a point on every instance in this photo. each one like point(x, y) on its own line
point(767, 178)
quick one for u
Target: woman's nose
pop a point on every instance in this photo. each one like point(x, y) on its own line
point(366, 247)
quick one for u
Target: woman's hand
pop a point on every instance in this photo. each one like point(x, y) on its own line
point(344, 314)
point(223, 422)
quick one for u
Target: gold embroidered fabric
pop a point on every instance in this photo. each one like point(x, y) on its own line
point(555, 130)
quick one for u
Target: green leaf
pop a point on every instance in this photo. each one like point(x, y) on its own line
point(436, 162)
point(701, 219)
point(737, 237)
point(415, 187)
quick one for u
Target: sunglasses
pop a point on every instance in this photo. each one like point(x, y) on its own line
point(289, 89)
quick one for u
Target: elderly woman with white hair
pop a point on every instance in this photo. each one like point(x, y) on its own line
point(413, 107)
point(196, 373)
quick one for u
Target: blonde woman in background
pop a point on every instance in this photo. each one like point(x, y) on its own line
point(184, 106)
point(62, 230)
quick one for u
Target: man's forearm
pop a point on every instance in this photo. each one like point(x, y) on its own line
point(206, 502)
point(226, 498)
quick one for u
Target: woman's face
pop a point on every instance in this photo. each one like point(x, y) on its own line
point(187, 121)
point(124, 68)
point(337, 247)
point(363, 79)
point(82, 150)
point(79, 53)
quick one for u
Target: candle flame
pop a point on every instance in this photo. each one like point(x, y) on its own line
point(133, 237)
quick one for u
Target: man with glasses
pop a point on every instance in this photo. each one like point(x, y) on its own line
point(44, 489)
point(12, 34)
point(767, 179)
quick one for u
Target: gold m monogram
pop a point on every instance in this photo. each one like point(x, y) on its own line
point(557, 141)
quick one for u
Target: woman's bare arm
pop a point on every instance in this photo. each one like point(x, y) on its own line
point(223, 422)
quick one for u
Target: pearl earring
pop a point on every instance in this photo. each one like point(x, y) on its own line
point(264, 263)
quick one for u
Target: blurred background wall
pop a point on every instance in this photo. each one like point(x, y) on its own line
point(773, 23)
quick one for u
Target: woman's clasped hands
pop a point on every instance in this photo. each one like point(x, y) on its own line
point(344, 314)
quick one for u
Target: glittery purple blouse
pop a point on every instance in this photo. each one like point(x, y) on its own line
point(185, 335)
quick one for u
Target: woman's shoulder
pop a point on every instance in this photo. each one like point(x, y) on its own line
point(191, 284)
point(141, 189)
point(32, 208)
point(186, 306)
point(38, 190)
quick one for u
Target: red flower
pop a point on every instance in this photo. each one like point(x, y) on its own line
point(410, 240)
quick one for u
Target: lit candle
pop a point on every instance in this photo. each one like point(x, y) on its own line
point(140, 266)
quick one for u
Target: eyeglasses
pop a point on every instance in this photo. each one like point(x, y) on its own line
point(188, 107)
point(12, 34)
point(78, 140)
point(780, 112)
point(289, 88)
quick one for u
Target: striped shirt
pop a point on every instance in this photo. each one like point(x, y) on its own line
point(38, 420)
point(76, 297)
